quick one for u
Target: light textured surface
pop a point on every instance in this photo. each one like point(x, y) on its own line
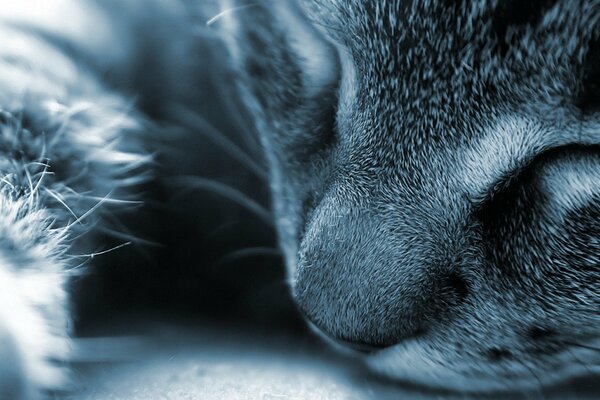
point(224, 364)
point(192, 376)
point(202, 364)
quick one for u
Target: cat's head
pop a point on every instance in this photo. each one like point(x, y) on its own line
point(435, 169)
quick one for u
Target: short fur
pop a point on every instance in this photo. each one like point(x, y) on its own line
point(435, 176)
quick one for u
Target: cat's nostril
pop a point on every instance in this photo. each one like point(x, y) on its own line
point(458, 286)
point(538, 333)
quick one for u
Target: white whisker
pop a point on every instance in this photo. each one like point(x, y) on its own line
point(99, 253)
point(193, 120)
point(229, 11)
point(90, 211)
point(58, 198)
point(194, 182)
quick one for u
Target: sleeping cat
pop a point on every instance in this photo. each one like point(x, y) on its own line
point(434, 168)
point(435, 175)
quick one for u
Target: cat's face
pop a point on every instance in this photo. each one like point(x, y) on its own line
point(436, 179)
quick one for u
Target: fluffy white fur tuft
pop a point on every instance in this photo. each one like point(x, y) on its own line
point(68, 149)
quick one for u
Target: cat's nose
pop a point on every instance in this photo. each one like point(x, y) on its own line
point(363, 347)
point(365, 285)
point(359, 346)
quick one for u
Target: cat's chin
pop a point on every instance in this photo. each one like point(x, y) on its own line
point(415, 364)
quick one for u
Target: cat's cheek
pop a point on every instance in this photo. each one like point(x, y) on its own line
point(422, 364)
point(414, 362)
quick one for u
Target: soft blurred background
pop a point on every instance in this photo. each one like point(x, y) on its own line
point(206, 246)
point(197, 306)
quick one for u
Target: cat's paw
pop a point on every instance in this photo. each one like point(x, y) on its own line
point(13, 377)
point(33, 344)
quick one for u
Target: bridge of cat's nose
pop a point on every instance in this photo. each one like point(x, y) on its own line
point(362, 283)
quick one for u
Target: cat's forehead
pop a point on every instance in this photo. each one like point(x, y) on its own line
point(358, 22)
point(500, 39)
point(408, 13)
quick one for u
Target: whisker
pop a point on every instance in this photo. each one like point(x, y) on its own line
point(6, 181)
point(229, 11)
point(127, 168)
point(116, 222)
point(114, 201)
point(580, 345)
point(57, 197)
point(584, 365)
point(84, 232)
point(129, 237)
point(43, 151)
point(540, 387)
point(233, 112)
point(30, 182)
point(90, 211)
point(68, 113)
point(200, 124)
point(41, 178)
point(228, 192)
point(135, 180)
point(221, 228)
point(99, 253)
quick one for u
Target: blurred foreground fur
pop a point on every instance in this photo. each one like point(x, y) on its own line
point(73, 156)
point(107, 110)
